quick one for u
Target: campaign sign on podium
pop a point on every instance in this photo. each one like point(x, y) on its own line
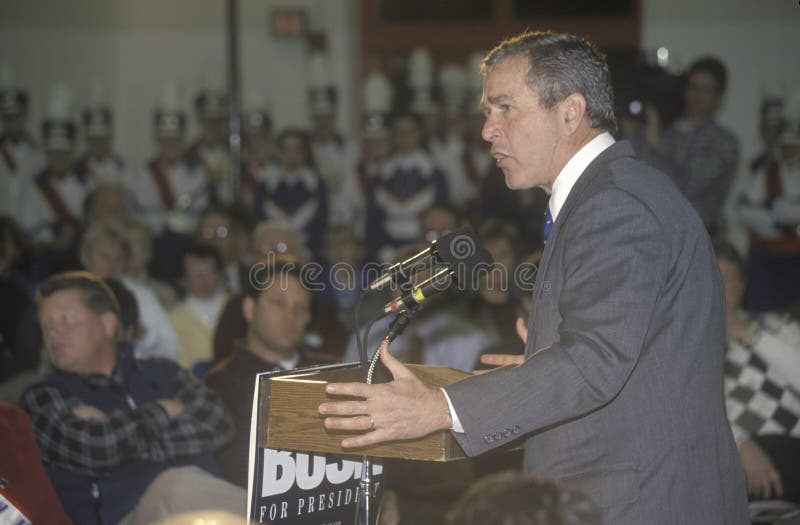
point(294, 487)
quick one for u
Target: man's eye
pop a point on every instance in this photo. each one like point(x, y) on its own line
point(505, 107)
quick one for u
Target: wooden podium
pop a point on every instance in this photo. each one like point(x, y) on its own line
point(294, 423)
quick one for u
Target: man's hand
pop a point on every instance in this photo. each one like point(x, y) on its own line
point(171, 407)
point(88, 412)
point(499, 360)
point(402, 409)
point(763, 480)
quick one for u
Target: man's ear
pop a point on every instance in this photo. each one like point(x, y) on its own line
point(248, 306)
point(110, 324)
point(571, 112)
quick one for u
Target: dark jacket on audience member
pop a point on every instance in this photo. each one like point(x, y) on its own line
point(234, 380)
point(100, 467)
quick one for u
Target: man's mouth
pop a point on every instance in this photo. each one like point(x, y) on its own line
point(498, 157)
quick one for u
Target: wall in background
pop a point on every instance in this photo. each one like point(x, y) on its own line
point(133, 47)
point(758, 41)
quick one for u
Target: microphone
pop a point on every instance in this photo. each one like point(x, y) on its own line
point(464, 273)
point(456, 245)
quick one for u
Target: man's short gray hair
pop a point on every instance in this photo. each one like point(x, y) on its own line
point(562, 64)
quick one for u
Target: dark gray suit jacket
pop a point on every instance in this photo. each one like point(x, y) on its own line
point(621, 392)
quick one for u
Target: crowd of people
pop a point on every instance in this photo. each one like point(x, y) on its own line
point(135, 316)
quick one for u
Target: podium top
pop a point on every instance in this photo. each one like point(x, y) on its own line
point(293, 422)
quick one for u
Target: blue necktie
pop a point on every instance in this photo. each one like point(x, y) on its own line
point(548, 224)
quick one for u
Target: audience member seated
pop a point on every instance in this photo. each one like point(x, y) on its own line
point(218, 228)
point(439, 220)
point(107, 202)
point(130, 329)
point(495, 306)
point(196, 316)
point(276, 237)
point(26, 495)
point(762, 388)
point(277, 309)
point(341, 278)
point(511, 498)
point(140, 243)
point(105, 253)
point(325, 334)
point(107, 423)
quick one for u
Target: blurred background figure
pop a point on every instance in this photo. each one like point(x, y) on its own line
point(769, 206)
point(139, 237)
point(20, 155)
point(99, 163)
point(407, 184)
point(375, 141)
point(495, 307)
point(331, 151)
point(130, 328)
point(172, 191)
point(293, 191)
point(762, 386)
point(209, 152)
point(221, 228)
point(105, 253)
point(341, 279)
point(423, 97)
point(259, 146)
point(108, 201)
point(51, 206)
point(195, 317)
point(698, 154)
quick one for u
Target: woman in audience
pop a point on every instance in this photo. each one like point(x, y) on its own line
point(105, 252)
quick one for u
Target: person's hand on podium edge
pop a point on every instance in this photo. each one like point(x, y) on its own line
point(500, 360)
point(402, 409)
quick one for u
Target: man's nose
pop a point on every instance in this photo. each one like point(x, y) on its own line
point(489, 130)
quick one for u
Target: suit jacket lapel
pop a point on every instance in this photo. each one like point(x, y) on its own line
point(613, 152)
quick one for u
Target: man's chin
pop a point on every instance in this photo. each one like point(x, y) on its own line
point(286, 351)
point(511, 182)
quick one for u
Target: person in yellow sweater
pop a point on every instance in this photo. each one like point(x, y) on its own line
point(195, 318)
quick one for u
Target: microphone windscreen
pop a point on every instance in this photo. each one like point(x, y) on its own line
point(457, 246)
point(468, 272)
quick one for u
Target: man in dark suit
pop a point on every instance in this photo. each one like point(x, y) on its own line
point(620, 391)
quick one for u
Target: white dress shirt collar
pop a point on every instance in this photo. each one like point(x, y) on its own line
point(568, 176)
